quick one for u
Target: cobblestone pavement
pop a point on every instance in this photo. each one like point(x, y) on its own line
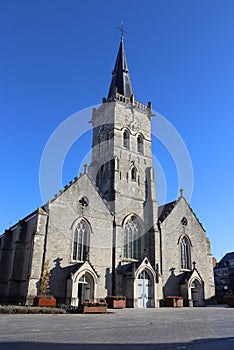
point(129, 329)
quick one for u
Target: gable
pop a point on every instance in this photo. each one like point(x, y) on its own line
point(176, 211)
point(80, 197)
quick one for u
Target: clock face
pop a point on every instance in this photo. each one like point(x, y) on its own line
point(135, 125)
point(132, 122)
point(128, 119)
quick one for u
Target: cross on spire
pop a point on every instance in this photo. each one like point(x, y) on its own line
point(122, 30)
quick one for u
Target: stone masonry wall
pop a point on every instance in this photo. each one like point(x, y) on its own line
point(64, 214)
point(15, 256)
point(172, 230)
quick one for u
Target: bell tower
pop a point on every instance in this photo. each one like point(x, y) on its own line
point(121, 166)
point(121, 145)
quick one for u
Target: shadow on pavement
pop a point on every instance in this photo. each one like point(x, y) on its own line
point(202, 344)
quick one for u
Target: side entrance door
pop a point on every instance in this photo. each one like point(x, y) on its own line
point(84, 289)
point(196, 291)
point(144, 288)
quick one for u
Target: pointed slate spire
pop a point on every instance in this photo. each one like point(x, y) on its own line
point(121, 82)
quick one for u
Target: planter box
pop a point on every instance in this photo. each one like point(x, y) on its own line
point(116, 304)
point(230, 301)
point(93, 309)
point(44, 300)
point(174, 302)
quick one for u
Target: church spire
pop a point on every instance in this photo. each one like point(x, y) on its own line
point(121, 82)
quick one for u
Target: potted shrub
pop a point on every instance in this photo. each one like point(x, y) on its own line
point(174, 301)
point(88, 307)
point(44, 299)
point(116, 301)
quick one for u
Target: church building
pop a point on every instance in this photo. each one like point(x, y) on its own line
point(105, 234)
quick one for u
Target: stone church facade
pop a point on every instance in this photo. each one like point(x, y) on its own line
point(104, 234)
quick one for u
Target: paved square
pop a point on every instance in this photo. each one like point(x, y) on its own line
point(132, 329)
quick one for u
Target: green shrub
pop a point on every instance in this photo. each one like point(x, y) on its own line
point(14, 309)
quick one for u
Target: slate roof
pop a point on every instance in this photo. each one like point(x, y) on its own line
point(121, 82)
point(131, 266)
point(185, 277)
point(226, 258)
point(77, 266)
point(165, 210)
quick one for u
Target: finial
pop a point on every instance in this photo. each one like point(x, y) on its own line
point(145, 252)
point(194, 265)
point(122, 30)
point(181, 192)
point(85, 168)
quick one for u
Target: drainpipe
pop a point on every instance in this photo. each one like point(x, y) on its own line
point(113, 256)
point(160, 243)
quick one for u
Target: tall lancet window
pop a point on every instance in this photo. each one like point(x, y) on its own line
point(107, 138)
point(140, 147)
point(133, 173)
point(98, 146)
point(185, 253)
point(81, 241)
point(132, 239)
point(126, 139)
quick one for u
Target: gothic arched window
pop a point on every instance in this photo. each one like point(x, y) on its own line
point(99, 176)
point(126, 139)
point(98, 146)
point(185, 253)
point(134, 174)
point(81, 241)
point(140, 147)
point(107, 138)
point(132, 239)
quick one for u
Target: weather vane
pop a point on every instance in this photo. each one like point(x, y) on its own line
point(122, 30)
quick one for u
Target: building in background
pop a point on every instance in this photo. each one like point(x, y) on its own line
point(224, 277)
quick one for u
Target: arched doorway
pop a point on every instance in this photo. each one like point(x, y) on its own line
point(85, 288)
point(196, 293)
point(144, 289)
point(81, 285)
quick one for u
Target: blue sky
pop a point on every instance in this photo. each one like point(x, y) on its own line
point(56, 59)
